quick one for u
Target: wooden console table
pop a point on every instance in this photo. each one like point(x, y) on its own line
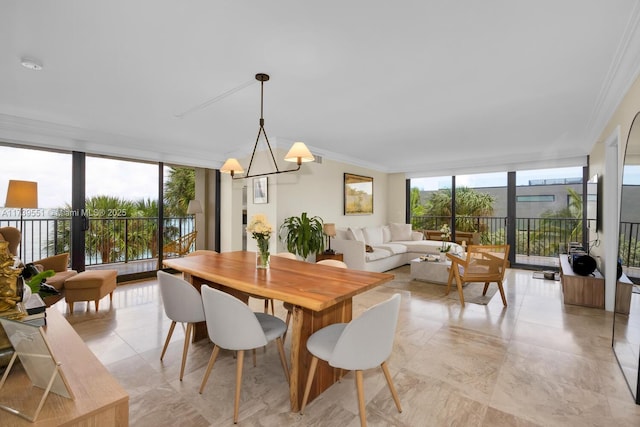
point(587, 291)
point(99, 399)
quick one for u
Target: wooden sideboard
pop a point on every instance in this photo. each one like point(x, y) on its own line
point(99, 399)
point(587, 291)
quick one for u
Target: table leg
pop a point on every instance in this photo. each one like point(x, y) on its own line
point(304, 323)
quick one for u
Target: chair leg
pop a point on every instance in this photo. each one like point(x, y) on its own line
point(236, 401)
point(185, 349)
point(460, 293)
point(254, 358)
point(394, 393)
point(307, 388)
point(166, 342)
point(361, 407)
point(486, 287)
point(504, 298)
point(212, 360)
point(70, 308)
point(97, 302)
point(266, 306)
point(283, 359)
point(288, 319)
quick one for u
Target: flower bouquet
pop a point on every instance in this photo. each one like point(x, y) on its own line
point(261, 230)
point(446, 237)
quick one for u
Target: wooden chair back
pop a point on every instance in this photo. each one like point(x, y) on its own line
point(181, 246)
point(483, 263)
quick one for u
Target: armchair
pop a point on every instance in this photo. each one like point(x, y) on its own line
point(483, 263)
point(59, 264)
point(13, 236)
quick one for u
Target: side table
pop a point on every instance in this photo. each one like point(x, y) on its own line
point(336, 256)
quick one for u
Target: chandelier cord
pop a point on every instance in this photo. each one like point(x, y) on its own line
point(264, 132)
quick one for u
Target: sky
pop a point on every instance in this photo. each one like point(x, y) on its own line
point(52, 172)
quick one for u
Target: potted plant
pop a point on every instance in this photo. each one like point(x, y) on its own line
point(302, 235)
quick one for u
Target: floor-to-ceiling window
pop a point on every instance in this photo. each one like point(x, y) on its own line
point(481, 206)
point(549, 212)
point(179, 224)
point(45, 229)
point(104, 211)
point(121, 204)
point(536, 211)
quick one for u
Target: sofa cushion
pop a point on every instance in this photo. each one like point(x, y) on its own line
point(386, 234)
point(393, 248)
point(400, 232)
point(372, 235)
point(356, 234)
point(377, 253)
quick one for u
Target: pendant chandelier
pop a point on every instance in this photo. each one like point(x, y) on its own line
point(298, 152)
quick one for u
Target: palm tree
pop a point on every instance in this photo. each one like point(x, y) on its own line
point(106, 236)
point(179, 189)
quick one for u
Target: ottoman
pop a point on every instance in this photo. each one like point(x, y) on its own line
point(90, 285)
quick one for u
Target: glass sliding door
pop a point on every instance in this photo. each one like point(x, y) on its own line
point(121, 204)
point(481, 207)
point(179, 223)
point(430, 202)
point(549, 212)
point(45, 229)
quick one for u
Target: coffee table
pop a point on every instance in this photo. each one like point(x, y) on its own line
point(430, 271)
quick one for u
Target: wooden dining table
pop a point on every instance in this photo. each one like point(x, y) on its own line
point(321, 295)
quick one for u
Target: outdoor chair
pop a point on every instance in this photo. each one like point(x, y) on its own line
point(482, 263)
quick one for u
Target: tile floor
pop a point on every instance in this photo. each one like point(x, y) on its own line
point(536, 362)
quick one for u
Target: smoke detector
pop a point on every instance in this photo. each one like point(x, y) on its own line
point(30, 63)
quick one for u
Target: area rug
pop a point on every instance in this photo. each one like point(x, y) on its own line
point(473, 293)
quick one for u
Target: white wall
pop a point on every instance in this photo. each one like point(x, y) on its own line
point(317, 188)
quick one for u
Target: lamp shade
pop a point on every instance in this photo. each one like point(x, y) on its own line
point(329, 229)
point(22, 194)
point(231, 166)
point(299, 153)
point(194, 207)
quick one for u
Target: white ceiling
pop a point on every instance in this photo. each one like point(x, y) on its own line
point(411, 86)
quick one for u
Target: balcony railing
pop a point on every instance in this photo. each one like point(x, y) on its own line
point(107, 240)
point(122, 240)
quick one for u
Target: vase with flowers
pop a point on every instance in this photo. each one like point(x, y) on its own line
point(261, 230)
point(445, 236)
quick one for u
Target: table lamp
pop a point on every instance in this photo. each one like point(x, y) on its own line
point(330, 231)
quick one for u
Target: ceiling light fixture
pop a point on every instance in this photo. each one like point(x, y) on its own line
point(31, 64)
point(298, 152)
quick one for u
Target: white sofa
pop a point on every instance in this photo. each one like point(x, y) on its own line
point(393, 245)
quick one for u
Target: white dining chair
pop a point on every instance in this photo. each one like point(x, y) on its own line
point(332, 263)
point(182, 303)
point(232, 325)
point(363, 343)
point(287, 255)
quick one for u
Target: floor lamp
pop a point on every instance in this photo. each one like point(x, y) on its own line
point(23, 195)
point(193, 209)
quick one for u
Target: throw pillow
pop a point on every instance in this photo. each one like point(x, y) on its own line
point(356, 234)
point(400, 232)
point(386, 234)
point(373, 235)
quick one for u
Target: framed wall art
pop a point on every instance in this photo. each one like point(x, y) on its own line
point(260, 190)
point(358, 194)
